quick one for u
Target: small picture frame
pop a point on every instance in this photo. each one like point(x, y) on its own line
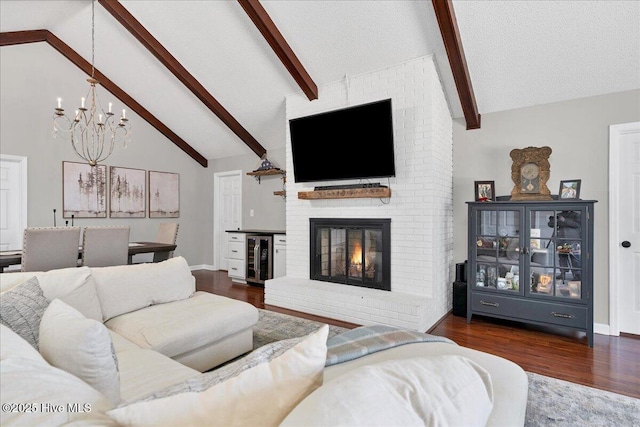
point(569, 189)
point(574, 289)
point(485, 191)
point(545, 283)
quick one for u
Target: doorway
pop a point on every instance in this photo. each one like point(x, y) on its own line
point(624, 228)
point(227, 213)
point(13, 201)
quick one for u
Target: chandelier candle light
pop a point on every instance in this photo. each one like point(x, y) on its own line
point(92, 131)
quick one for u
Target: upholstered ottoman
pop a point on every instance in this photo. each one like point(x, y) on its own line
point(156, 307)
point(201, 332)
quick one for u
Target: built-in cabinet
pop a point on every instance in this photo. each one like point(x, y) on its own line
point(532, 262)
point(279, 255)
point(254, 256)
point(237, 257)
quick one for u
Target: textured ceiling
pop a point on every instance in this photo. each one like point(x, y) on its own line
point(519, 53)
point(523, 53)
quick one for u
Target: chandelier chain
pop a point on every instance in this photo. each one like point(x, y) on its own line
point(92, 131)
point(93, 37)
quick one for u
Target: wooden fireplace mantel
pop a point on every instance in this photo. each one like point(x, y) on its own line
point(351, 193)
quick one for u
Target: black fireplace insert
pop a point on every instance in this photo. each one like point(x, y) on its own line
point(352, 251)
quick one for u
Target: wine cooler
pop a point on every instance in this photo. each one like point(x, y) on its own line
point(259, 258)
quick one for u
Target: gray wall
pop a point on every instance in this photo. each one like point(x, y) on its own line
point(269, 213)
point(268, 209)
point(578, 133)
point(32, 77)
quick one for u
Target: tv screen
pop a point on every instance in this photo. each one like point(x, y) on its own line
point(351, 143)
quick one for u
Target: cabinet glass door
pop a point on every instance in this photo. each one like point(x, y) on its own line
point(497, 247)
point(555, 247)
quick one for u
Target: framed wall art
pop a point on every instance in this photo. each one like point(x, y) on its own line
point(127, 192)
point(569, 189)
point(84, 190)
point(164, 195)
point(485, 191)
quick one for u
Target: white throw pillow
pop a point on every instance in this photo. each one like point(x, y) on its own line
point(260, 396)
point(39, 394)
point(126, 288)
point(421, 391)
point(80, 346)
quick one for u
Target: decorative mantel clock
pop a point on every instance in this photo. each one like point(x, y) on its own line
point(530, 173)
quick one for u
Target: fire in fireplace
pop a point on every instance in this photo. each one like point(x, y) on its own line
point(351, 251)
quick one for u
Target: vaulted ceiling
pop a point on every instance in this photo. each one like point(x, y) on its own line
point(518, 53)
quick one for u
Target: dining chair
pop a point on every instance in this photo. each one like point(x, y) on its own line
point(167, 233)
point(48, 248)
point(105, 246)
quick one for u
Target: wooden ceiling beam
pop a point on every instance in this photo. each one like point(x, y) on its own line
point(131, 24)
point(22, 37)
point(453, 44)
point(276, 40)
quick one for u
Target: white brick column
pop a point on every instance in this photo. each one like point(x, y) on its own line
point(420, 207)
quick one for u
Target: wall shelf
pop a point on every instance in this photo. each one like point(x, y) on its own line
point(257, 174)
point(351, 193)
point(267, 172)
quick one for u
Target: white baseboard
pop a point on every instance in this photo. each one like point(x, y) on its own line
point(202, 267)
point(601, 328)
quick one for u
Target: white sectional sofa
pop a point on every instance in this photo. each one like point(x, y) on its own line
point(164, 334)
point(156, 307)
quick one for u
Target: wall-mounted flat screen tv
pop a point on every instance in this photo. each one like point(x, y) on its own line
point(351, 143)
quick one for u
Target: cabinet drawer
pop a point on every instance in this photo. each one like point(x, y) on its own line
point(237, 269)
point(496, 304)
point(279, 239)
point(236, 251)
point(236, 237)
point(537, 311)
point(558, 314)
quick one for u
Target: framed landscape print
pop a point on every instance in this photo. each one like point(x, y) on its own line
point(84, 190)
point(127, 193)
point(164, 195)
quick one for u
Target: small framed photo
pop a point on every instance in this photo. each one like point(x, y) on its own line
point(545, 283)
point(574, 289)
point(485, 191)
point(569, 189)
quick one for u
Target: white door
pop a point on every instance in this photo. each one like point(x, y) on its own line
point(625, 228)
point(227, 188)
point(13, 201)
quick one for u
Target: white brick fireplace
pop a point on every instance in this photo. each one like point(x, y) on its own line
point(420, 206)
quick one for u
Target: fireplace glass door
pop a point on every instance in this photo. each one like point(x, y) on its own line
point(351, 253)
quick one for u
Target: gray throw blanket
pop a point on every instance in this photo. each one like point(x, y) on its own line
point(365, 340)
point(347, 346)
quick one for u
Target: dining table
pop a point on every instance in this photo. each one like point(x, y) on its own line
point(161, 250)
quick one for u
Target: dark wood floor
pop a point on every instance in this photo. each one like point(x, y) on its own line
point(612, 364)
